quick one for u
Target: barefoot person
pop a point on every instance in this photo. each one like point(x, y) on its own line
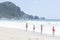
point(26, 26)
point(34, 28)
point(53, 30)
point(41, 28)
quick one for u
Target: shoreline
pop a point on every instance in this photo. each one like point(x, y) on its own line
point(18, 34)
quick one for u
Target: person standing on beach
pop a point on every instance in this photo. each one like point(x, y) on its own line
point(34, 28)
point(41, 28)
point(53, 30)
point(26, 26)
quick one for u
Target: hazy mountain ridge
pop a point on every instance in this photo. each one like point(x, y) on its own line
point(9, 10)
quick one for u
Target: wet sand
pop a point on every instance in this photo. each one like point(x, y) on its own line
point(18, 34)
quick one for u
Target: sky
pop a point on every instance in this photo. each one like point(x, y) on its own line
point(50, 9)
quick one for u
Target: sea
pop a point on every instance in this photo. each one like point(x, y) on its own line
point(21, 24)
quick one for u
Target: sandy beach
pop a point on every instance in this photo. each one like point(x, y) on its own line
point(17, 34)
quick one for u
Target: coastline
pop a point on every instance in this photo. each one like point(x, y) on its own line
point(18, 34)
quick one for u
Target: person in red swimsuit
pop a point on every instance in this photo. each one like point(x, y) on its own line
point(34, 28)
point(53, 30)
point(26, 26)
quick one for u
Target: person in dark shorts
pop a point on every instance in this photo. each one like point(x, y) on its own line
point(26, 26)
point(41, 28)
point(33, 27)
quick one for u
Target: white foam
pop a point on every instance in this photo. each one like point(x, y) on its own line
point(47, 26)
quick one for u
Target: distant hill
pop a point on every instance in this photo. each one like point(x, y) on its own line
point(9, 10)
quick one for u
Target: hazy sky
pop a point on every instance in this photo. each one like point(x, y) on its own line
point(42, 8)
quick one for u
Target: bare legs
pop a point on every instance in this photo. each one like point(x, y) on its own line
point(26, 26)
point(53, 30)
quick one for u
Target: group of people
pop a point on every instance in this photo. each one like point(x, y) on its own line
point(53, 28)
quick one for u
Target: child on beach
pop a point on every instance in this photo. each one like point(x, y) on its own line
point(53, 30)
point(41, 28)
point(26, 26)
point(34, 28)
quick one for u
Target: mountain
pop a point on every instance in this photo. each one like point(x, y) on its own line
point(9, 10)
